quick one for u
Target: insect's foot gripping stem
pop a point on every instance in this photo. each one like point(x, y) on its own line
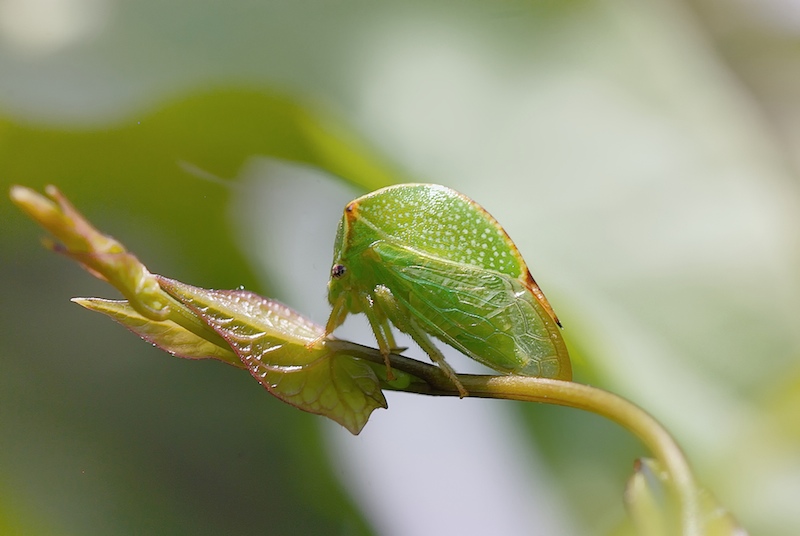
point(421, 338)
point(461, 391)
point(312, 344)
point(389, 372)
point(452, 376)
point(336, 318)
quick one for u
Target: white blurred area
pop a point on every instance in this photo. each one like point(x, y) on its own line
point(41, 27)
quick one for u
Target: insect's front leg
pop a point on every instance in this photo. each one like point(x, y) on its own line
point(336, 319)
point(384, 298)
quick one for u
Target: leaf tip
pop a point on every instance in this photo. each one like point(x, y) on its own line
point(30, 200)
point(86, 303)
point(18, 193)
point(92, 304)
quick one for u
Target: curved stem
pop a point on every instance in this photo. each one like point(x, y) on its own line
point(563, 393)
point(625, 413)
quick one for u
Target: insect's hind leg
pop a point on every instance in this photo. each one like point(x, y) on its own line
point(388, 304)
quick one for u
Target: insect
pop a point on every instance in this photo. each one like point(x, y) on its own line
point(432, 262)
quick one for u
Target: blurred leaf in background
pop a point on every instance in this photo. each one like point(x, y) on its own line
point(642, 155)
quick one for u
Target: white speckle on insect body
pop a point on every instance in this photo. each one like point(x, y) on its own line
point(436, 222)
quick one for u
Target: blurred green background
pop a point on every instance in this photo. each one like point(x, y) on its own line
point(642, 154)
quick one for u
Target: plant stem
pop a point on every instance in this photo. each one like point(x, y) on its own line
point(623, 412)
point(563, 393)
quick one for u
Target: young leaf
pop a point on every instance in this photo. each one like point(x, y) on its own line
point(654, 512)
point(166, 334)
point(99, 254)
point(272, 341)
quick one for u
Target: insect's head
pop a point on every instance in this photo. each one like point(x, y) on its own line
point(337, 284)
point(349, 244)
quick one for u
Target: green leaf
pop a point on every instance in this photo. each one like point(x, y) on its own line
point(165, 334)
point(284, 352)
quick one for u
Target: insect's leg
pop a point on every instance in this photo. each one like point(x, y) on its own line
point(383, 333)
point(338, 313)
point(422, 339)
point(336, 318)
point(389, 305)
point(387, 330)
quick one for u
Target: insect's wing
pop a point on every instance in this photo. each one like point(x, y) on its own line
point(489, 316)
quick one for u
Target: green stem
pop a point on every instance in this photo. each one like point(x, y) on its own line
point(625, 413)
point(563, 393)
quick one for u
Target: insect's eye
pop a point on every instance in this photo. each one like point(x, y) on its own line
point(338, 271)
